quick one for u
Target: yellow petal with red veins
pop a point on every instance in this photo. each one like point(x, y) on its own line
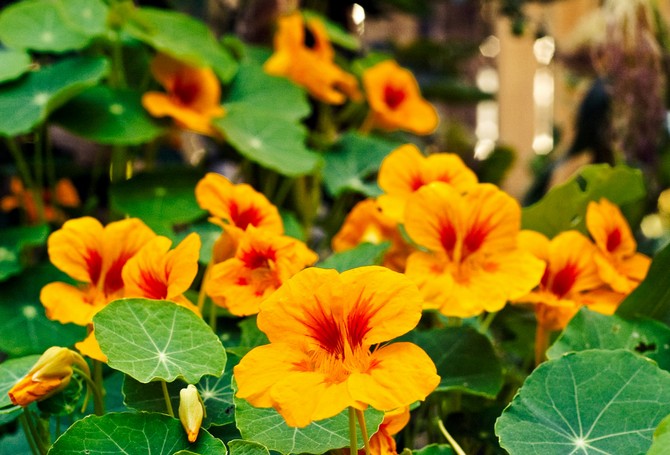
point(609, 229)
point(400, 373)
point(68, 304)
point(572, 268)
point(76, 249)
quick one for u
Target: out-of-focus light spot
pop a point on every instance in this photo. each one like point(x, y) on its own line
point(543, 49)
point(543, 87)
point(490, 47)
point(487, 80)
point(357, 14)
point(484, 148)
point(543, 144)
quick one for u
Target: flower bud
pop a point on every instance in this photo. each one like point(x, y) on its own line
point(50, 374)
point(191, 411)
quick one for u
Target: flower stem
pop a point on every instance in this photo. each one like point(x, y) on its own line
point(205, 277)
point(30, 436)
point(212, 316)
point(166, 395)
point(95, 389)
point(486, 322)
point(353, 443)
point(364, 430)
point(452, 441)
point(24, 172)
point(541, 344)
point(27, 421)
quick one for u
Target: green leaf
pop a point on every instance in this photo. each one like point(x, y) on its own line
point(661, 440)
point(275, 95)
point(564, 207)
point(267, 139)
point(156, 339)
point(87, 16)
point(161, 199)
point(149, 396)
point(652, 297)
point(182, 37)
point(40, 25)
point(587, 402)
point(27, 102)
point(132, 433)
point(434, 449)
point(359, 256)
point(591, 330)
point(109, 116)
point(12, 242)
point(11, 371)
point(353, 162)
point(24, 326)
point(242, 447)
point(251, 337)
point(464, 358)
point(13, 64)
point(336, 33)
point(208, 232)
point(267, 427)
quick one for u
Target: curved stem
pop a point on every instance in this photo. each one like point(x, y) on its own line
point(353, 443)
point(98, 402)
point(541, 343)
point(30, 436)
point(166, 395)
point(486, 322)
point(364, 430)
point(27, 178)
point(37, 437)
point(452, 441)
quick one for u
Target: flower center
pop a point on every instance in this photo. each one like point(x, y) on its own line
point(243, 218)
point(564, 279)
point(185, 91)
point(394, 96)
point(152, 287)
point(613, 240)
point(256, 259)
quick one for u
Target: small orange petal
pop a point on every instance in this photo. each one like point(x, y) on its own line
point(68, 304)
point(90, 348)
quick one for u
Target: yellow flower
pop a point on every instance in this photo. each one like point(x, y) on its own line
point(619, 263)
point(474, 264)
point(395, 100)
point(322, 327)
point(307, 64)
point(191, 411)
point(263, 261)
point(50, 374)
point(570, 279)
point(406, 169)
point(383, 442)
point(367, 223)
point(193, 95)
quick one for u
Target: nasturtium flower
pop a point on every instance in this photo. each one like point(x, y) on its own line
point(50, 374)
point(303, 54)
point(395, 100)
point(193, 95)
point(263, 261)
point(156, 272)
point(94, 256)
point(383, 442)
point(64, 195)
point(474, 263)
point(191, 411)
point(234, 207)
point(406, 169)
point(328, 351)
point(367, 223)
point(570, 279)
point(619, 263)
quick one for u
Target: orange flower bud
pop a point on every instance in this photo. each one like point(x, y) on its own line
point(48, 376)
point(191, 411)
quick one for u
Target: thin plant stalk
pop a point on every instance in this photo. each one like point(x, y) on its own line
point(30, 436)
point(454, 445)
point(486, 322)
point(202, 295)
point(98, 401)
point(166, 395)
point(27, 178)
point(541, 344)
point(364, 430)
point(353, 443)
point(37, 438)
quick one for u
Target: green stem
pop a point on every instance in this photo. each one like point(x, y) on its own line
point(269, 183)
point(202, 295)
point(486, 322)
point(166, 395)
point(364, 431)
point(212, 316)
point(30, 437)
point(452, 441)
point(541, 343)
point(24, 172)
point(283, 191)
point(353, 443)
point(50, 162)
point(118, 76)
point(37, 438)
point(98, 401)
point(39, 157)
point(118, 167)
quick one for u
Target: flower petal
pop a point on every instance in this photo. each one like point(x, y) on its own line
point(76, 249)
point(68, 304)
point(90, 348)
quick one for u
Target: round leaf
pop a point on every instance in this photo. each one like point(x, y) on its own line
point(242, 447)
point(591, 330)
point(661, 440)
point(434, 449)
point(464, 358)
point(156, 339)
point(181, 37)
point(132, 433)
point(587, 402)
point(13, 64)
point(267, 139)
point(12, 242)
point(109, 116)
point(359, 256)
point(267, 427)
point(28, 101)
point(86, 16)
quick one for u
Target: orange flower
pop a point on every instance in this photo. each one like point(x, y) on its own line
point(322, 326)
point(93, 255)
point(262, 262)
point(619, 263)
point(50, 374)
point(474, 264)
point(65, 195)
point(570, 279)
point(406, 169)
point(236, 207)
point(367, 223)
point(193, 95)
point(156, 272)
point(395, 100)
point(310, 64)
point(383, 442)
